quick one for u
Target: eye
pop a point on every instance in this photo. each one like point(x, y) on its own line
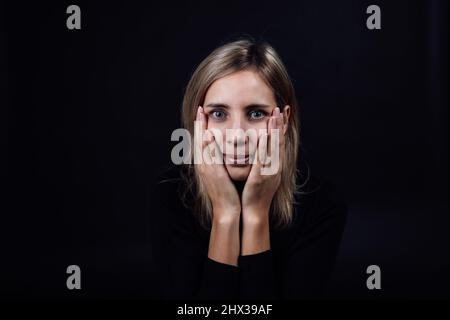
point(257, 114)
point(217, 114)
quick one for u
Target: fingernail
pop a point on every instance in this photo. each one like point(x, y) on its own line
point(202, 113)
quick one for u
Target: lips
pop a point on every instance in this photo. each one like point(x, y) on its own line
point(232, 156)
point(236, 159)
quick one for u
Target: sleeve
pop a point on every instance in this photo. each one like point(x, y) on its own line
point(256, 276)
point(182, 268)
point(314, 247)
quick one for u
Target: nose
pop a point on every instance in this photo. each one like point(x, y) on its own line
point(235, 136)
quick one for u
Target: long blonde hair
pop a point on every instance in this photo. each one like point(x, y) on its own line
point(231, 57)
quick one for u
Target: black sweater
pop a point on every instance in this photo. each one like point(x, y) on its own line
point(298, 264)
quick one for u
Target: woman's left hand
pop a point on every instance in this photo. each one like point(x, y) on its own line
point(260, 188)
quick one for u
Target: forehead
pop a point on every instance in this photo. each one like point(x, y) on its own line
point(240, 88)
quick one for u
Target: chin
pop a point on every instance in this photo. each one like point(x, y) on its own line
point(239, 173)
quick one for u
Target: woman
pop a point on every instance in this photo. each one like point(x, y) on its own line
point(226, 229)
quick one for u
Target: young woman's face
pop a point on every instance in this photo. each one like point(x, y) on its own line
point(241, 100)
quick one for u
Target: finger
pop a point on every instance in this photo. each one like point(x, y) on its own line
point(262, 156)
point(285, 119)
point(208, 148)
point(255, 169)
point(280, 120)
point(218, 156)
point(207, 138)
point(278, 117)
point(198, 136)
point(201, 118)
point(280, 126)
point(276, 137)
point(207, 158)
point(262, 148)
point(270, 130)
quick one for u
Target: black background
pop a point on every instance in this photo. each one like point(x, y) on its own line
point(86, 117)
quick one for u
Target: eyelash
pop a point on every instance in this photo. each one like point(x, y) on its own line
point(263, 114)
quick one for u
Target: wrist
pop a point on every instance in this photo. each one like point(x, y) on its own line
point(225, 218)
point(256, 217)
point(224, 240)
point(226, 208)
point(255, 235)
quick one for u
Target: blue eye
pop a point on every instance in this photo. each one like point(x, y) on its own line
point(217, 114)
point(257, 114)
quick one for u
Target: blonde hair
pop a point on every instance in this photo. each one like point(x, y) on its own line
point(245, 54)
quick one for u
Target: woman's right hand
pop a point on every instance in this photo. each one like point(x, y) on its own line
point(221, 190)
point(224, 242)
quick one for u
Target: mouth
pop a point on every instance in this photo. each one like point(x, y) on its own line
point(236, 160)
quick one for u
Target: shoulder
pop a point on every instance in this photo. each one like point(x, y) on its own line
point(171, 198)
point(319, 203)
point(170, 184)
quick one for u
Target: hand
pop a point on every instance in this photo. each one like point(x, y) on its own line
point(259, 189)
point(224, 242)
point(221, 190)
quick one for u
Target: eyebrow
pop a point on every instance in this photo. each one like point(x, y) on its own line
point(250, 106)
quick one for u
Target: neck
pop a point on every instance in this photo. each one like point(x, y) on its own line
point(239, 186)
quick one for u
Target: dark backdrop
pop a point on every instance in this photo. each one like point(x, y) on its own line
point(86, 118)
